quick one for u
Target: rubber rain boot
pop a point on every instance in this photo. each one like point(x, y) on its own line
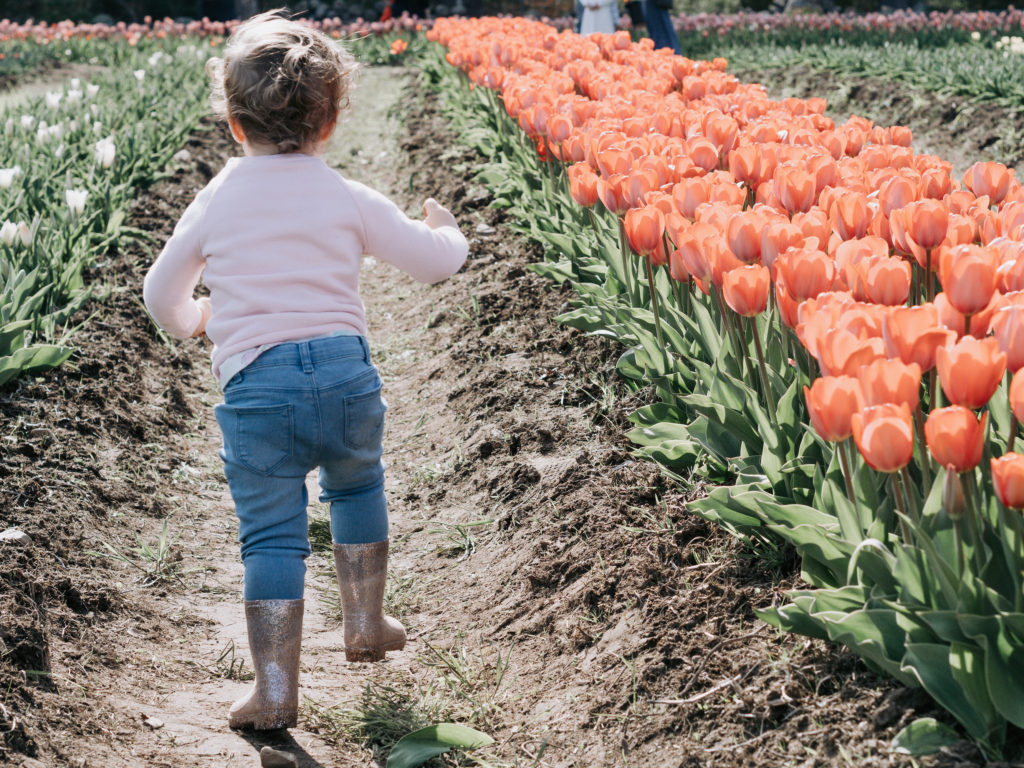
point(275, 641)
point(362, 571)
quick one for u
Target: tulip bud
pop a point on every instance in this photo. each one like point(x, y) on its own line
point(8, 232)
point(76, 200)
point(953, 502)
point(1008, 479)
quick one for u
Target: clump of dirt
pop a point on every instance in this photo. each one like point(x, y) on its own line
point(953, 128)
point(89, 453)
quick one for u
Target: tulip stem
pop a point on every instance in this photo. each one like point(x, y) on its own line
point(725, 315)
point(627, 272)
point(925, 461)
point(844, 461)
point(765, 381)
point(973, 527)
point(929, 278)
point(654, 300)
point(1013, 433)
point(932, 391)
point(897, 496)
point(958, 540)
point(915, 514)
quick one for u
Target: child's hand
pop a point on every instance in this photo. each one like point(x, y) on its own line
point(436, 215)
point(207, 309)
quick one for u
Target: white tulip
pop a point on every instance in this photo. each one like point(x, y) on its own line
point(72, 125)
point(53, 99)
point(105, 151)
point(42, 135)
point(74, 96)
point(27, 121)
point(59, 151)
point(91, 90)
point(8, 232)
point(56, 131)
point(76, 200)
point(139, 74)
point(94, 109)
point(25, 234)
point(97, 127)
point(75, 82)
point(7, 176)
point(9, 126)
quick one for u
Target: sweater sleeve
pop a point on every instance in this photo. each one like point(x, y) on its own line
point(171, 280)
point(428, 255)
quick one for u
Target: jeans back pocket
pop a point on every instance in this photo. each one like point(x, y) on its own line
point(259, 438)
point(364, 420)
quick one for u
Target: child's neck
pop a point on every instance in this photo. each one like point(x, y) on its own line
point(262, 150)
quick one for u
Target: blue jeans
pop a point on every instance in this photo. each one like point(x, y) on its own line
point(660, 26)
point(300, 406)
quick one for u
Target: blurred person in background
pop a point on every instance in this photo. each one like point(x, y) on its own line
point(658, 18)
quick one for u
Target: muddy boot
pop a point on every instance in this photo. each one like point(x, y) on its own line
point(362, 571)
point(275, 640)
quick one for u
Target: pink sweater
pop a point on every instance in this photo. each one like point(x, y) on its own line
point(279, 239)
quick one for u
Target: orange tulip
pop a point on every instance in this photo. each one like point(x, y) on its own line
point(913, 335)
point(990, 179)
point(795, 189)
point(896, 193)
point(1017, 397)
point(831, 402)
point(956, 321)
point(850, 215)
point(926, 222)
point(689, 193)
point(583, 184)
point(720, 258)
point(807, 272)
point(745, 165)
point(970, 370)
point(746, 289)
point(789, 308)
point(884, 435)
point(691, 251)
point(886, 280)
point(744, 235)
point(677, 267)
point(968, 274)
point(890, 381)
point(612, 194)
point(778, 236)
point(644, 229)
point(1007, 326)
point(842, 353)
point(1008, 479)
point(956, 437)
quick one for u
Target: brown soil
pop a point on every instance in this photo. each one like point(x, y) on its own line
point(957, 130)
point(558, 595)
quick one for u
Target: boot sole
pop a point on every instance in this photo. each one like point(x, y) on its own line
point(274, 720)
point(372, 654)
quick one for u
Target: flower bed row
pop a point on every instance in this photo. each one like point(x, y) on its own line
point(69, 163)
point(792, 287)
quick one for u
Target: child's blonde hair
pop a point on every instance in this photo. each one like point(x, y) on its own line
point(283, 81)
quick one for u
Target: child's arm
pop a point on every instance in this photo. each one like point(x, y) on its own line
point(430, 250)
point(171, 280)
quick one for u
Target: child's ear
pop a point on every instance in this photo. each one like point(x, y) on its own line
point(327, 130)
point(236, 130)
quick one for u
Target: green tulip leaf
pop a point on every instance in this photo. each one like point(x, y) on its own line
point(924, 736)
point(414, 749)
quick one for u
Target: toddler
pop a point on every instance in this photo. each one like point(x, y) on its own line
point(278, 238)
